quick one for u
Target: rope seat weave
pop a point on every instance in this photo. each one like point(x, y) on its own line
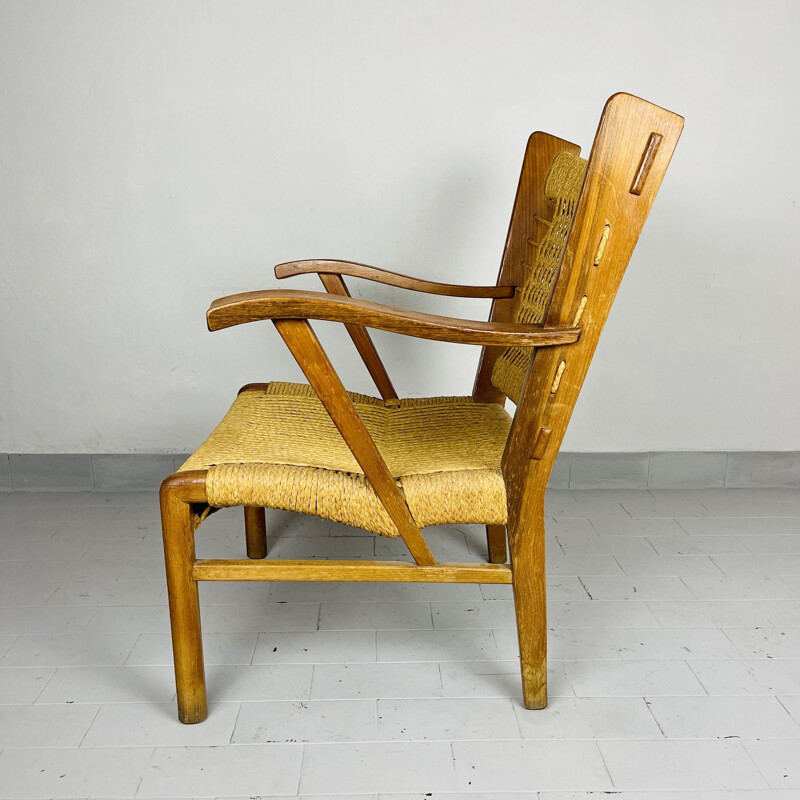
point(277, 447)
point(562, 188)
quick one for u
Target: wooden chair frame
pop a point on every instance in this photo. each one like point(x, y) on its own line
point(632, 149)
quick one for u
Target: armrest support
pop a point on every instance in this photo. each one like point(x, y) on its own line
point(331, 267)
point(274, 304)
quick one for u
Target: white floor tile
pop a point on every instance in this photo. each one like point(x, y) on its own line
point(22, 591)
point(676, 764)
point(600, 587)
point(97, 569)
point(615, 639)
point(600, 614)
point(568, 587)
point(68, 651)
point(707, 613)
point(371, 615)
point(767, 544)
point(380, 767)
point(257, 682)
point(380, 680)
point(108, 593)
point(262, 617)
point(71, 772)
point(307, 721)
point(456, 592)
point(766, 642)
point(44, 545)
point(736, 526)
point(130, 619)
point(110, 685)
point(753, 564)
point(222, 771)
point(233, 593)
point(437, 645)
point(497, 679)
point(470, 616)
point(633, 526)
point(632, 678)
point(744, 794)
point(155, 649)
point(600, 564)
point(10, 569)
point(663, 506)
point(748, 677)
point(591, 543)
point(462, 796)
point(778, 760)
point(324, 591)
point(589, 718)
point(528, 765)
point(345, 547)
point(149, 546)
point(315, 647)
point(656, 565)
point(446, 719)
point(5, 643)
point(738, 587)
point(45, 726)
point(156, 725)
point(722, 717)
point(680, 544)
point(673, 643)
point(564, 644)
point(616, 795)
point(792, 704)
point(21, 685)
point(558, 589)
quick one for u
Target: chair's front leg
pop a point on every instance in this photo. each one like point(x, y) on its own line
point(496, 543)
point(178, 525)
point(255, 531)
point(530, 602)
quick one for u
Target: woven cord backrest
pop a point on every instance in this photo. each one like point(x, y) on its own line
point(562, 189)
point(634, 143)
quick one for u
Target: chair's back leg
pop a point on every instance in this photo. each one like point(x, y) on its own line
point(496, 543)
point(255, 531)
point(530, 600)
point(178, 525)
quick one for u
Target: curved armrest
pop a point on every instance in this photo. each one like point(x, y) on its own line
point(277, 304)
point(389, 278)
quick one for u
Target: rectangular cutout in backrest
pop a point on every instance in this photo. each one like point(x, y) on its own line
point(648, 156)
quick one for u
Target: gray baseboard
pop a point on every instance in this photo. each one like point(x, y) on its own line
point(678, 470)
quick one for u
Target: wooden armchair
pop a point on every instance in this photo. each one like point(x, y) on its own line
point(395, 466)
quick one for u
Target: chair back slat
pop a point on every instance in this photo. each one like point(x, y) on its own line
point(634, 144)
point(562, 188)
point(530, 220)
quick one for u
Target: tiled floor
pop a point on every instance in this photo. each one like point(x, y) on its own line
point(674, 673)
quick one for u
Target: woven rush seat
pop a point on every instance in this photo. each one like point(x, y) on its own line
point(277, 447)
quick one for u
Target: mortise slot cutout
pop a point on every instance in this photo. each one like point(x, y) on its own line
point(648, 157)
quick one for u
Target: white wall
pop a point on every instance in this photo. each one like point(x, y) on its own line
point(154, 156)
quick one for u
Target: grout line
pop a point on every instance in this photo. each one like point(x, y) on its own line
point(605, 765)
point(89, 726)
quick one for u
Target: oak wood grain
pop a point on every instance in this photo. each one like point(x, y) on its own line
point(529, 218)
point(354, 270)
point(272, 304)
point(311, 358)
point(363, 341)
point(340, 570)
